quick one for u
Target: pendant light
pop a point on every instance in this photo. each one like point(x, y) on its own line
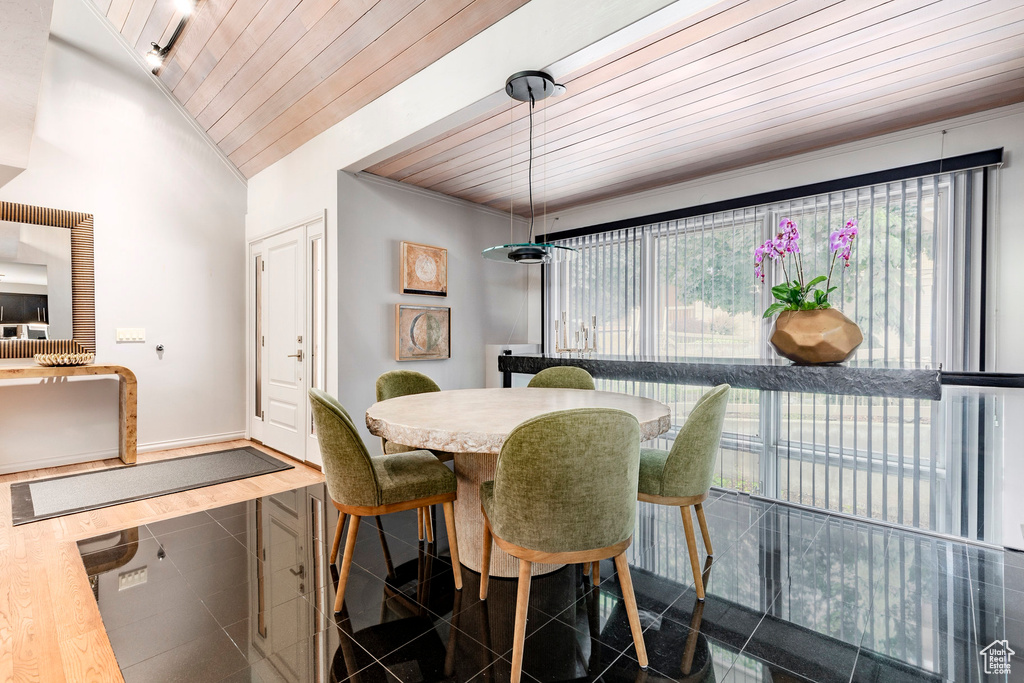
point(529, 86)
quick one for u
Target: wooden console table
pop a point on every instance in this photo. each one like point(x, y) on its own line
point(128, 441)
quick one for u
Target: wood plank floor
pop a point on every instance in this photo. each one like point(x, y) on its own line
point(50, 625)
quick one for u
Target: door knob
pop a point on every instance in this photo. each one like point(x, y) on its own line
point(296, 355)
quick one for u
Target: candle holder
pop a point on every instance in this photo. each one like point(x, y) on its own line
point(584, 338)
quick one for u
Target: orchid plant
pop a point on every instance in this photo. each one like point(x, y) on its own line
point(796, 293)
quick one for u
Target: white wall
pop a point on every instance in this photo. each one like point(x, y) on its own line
point(987, 130)
point(169, 245)
point(485, 296)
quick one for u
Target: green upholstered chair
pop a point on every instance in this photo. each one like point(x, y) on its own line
point(402, 383)
point(362, 486)
point(562, 377)
point(682, 476)
point(563, 493)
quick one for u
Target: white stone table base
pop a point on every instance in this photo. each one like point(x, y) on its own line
point(473, 424)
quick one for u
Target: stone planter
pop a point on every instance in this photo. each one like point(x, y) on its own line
point(815, 337)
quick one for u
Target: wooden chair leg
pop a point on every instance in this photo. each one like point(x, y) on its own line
point(691, 546)
point(346, 562)
point(586, 569)
point(453, 543)
point(626, 582)
point(595, 573)
point(452, 649)
point(690, 648)
point(522, 605)
point(419, 523)
point(384, 547)
point(699, 507)
point(428, 522)
point(337, 537)
point(485, 564)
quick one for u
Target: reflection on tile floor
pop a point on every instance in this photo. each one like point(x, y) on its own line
point(244, 593)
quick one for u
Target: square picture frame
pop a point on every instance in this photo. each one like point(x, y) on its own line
point(422, 332)
point(424, 269)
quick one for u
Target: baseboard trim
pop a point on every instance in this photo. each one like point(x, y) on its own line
point(112, 454)
point(55, 461)
point(185, 443)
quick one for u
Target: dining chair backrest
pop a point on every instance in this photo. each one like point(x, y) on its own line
point(347, 467)
point(569, 479)
point(402, 383)
point(562, 377)
point(690, 466)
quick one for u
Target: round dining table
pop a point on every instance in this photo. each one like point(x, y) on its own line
point(473, 424)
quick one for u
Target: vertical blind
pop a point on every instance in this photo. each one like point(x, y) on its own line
point(685, 289)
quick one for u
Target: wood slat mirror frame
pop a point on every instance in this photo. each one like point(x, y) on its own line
point(83, 282)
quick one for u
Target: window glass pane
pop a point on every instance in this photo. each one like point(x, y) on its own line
point(685, 289)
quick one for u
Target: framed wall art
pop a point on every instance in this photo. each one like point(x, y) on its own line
point(424, 269)
point(422, 332)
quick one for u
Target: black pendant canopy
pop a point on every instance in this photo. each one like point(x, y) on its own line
point(529, 86)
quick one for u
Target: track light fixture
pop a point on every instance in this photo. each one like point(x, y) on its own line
point(157, 55)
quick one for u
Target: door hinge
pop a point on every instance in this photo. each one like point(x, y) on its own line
point(263, 265)
point(263, 341)
point(263, 415)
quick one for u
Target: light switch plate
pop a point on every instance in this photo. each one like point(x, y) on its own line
point(131, 334)
point(131, 578)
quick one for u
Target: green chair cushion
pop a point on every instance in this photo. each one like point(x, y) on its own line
point(392, 447)
point(347, 468)
point(402, 383)
point(688, 469)
point(652, 466)
point(354, 478)
point(487, 498)
point(412, 475)
point(563, 377)
point(566, 481)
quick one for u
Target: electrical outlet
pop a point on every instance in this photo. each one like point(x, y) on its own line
point(131, 334)
point(131, 578)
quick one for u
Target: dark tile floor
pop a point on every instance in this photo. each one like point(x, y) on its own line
point(245, 593)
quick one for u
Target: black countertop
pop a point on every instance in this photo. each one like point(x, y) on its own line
point(852, 379)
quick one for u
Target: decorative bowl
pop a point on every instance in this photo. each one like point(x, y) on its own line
point(53, 360)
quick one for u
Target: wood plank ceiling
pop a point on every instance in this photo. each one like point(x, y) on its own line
point(745, 82)
point(265, 76)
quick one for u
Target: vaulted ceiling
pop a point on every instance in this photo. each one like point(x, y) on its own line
point(740, 82)
point(265, 76)
point(745, 82)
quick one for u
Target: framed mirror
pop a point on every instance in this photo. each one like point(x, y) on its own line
point(47, 287)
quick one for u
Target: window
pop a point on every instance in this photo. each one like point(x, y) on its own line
point(684, 289)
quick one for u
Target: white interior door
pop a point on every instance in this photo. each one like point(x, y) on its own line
point(284, 353)
point(284, 567)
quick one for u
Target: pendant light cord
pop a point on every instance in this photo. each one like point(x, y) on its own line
point(529, 240)
point(529, 173)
